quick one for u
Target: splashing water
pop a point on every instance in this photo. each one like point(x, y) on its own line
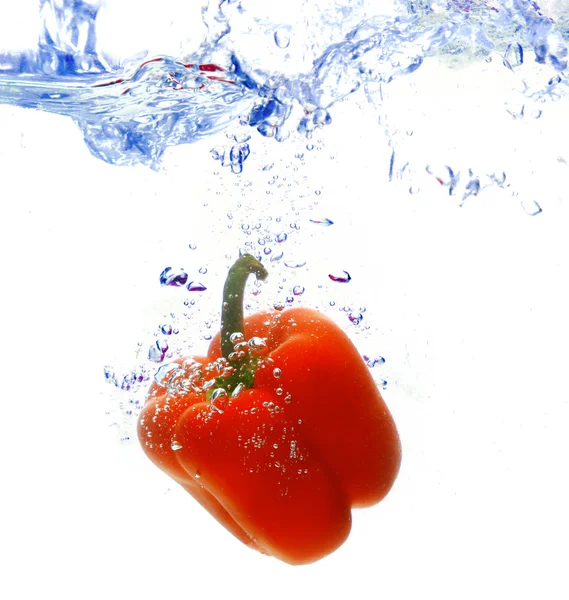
point(274, 70)
point(259, 71)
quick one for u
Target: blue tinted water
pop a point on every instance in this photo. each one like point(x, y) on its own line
point(273, 71)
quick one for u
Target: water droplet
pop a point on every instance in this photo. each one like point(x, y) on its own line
point(277, 373)
point(175, 445)
point(195, 286)
point(173, 278)
point(298, 290)
point(340, 278)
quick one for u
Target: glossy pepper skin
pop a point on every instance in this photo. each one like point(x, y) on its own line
point(282, 463)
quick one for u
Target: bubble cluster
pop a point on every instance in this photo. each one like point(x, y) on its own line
point(210, 378)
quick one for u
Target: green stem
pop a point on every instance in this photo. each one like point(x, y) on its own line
point(232, 315)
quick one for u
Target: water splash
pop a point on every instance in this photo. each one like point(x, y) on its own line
point(276, 73)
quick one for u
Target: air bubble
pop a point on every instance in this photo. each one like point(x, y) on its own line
point(195, 286)
point(373, 362)
point(295, 264)
point(236, 338)
point(238, 390)
point(531, 207)
point(174, 278)
point(326, 222)
point(292, 449)
point(281, 237)
point(344, 278)
point(257, 343)
point(514, 55)
point(166, 329)
point(164, 374)
point(157, 352)
point(277, 373)
point(208, 384)
point(298, 290)
point(282, 40)
point(218, 393)
point(175, 445)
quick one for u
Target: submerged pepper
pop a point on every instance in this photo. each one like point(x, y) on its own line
point(278, 432)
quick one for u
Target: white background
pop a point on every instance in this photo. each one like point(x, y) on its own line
point(469, 306)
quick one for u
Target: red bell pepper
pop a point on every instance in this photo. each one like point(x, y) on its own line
point(278, 432)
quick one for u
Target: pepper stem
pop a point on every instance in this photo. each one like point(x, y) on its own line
point(232, 316)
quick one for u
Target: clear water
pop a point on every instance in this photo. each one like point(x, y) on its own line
point(430, 217)
point(275, 71)
point(257, 72)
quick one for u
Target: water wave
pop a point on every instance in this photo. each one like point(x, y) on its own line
point(275, 71)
